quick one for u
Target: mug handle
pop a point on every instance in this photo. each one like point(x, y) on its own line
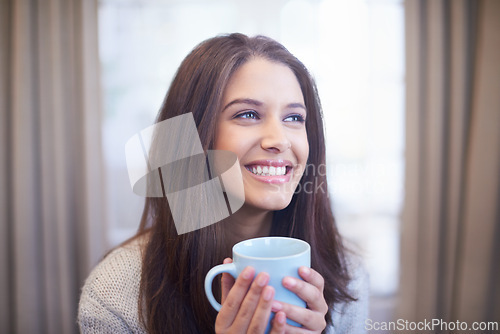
point(229, 268)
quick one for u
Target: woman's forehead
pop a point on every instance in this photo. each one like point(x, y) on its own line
point(261, 79)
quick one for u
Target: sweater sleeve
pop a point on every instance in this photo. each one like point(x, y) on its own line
point(350, 317)
point(109, 298)
point(94, 316)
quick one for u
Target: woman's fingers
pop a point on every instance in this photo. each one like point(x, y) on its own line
point(227, 282)
point(307, 318)
point(254, 306)
point(279, 323)
point(262, 313)
point(235, 297)
point(313, 277)
point(309, 290)
point(247, 305)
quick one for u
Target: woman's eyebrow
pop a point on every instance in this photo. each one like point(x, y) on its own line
point(243, 101)
point(258, 103)
point(296, 105)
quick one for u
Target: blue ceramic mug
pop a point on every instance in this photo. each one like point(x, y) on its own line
point(277, 256)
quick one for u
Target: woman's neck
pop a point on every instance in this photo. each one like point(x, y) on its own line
point(247, 223)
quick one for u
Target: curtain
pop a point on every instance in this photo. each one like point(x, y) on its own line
point(51, 194)
point(450, 233)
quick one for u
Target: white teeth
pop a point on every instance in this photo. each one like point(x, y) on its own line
point(268, 170)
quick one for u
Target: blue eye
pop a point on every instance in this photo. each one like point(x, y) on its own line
point(251, 114)
point(295, 118)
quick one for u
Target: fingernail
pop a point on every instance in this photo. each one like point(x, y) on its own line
point(305, 271)
point(276, 306)
point(281, 318)
point(262, 279)
point(289, 282)
point(247, 273)
point(267, 293)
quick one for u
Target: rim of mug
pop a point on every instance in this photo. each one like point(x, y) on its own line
point(300, 241)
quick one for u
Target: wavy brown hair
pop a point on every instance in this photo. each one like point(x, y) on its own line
point(172, 297)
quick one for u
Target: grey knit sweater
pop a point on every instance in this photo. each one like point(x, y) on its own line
point(109, 299)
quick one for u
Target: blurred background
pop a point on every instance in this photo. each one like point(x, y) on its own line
point(412, 116)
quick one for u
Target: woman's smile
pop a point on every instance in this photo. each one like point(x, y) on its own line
point(271, 171)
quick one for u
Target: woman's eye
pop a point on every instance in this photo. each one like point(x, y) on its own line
point(294, 118)
point(247, 115)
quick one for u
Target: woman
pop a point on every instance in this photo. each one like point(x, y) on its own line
point(252, 97)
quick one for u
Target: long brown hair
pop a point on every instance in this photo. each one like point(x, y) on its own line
point(172, 297)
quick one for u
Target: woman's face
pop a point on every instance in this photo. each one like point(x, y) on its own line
point(263, 122)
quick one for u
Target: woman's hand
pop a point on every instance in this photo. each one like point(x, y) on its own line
point(246, 304)
point(310, 290)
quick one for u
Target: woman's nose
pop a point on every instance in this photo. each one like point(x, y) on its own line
point(274, 136)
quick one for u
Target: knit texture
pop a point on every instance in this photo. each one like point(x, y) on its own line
point(109, 299)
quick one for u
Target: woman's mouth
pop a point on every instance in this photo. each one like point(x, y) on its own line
point(271, 171)
point(264, 170)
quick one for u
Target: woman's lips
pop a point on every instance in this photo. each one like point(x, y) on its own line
point(270, 171)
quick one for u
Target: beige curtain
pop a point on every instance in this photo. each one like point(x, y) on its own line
point(51, 196)
point(451, 221)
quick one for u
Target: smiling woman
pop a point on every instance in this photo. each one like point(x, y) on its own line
point(252, 97)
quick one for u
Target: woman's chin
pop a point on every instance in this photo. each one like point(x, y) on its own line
point(271, 203)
